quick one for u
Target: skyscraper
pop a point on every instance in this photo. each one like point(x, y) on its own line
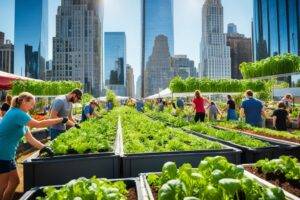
point(129, 81)
point(1, 38)
point(138, 87)
point(231, 28)
point(6, 55)
point(77, 46)
point(240, 51)
point(31, 30)
point(232, 31)
point(157, 19)
point(115, 61)
point(276, 27)
point(158, 72)
point(214, 54)
point(183, 66)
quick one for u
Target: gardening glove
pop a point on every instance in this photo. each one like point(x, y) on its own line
point(65, 120)
point(77, 126)
point(46, 151)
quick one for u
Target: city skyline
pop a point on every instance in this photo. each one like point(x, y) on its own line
point(125, 16)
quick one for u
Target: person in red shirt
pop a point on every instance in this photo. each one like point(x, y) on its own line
point(198, 104)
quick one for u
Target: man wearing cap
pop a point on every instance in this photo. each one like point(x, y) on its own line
point(62, 107)
point(88, 110)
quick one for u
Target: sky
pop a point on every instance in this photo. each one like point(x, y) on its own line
point(124, 15)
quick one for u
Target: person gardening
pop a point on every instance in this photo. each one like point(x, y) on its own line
point(213, 111)
point(13, 127)
point(198, 105)
point(252, 109)
point(62, 107)
point(88, 111)
point(230, 108)
point(280, 117)
point(288, 102)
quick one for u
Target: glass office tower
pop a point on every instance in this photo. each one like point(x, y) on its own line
point(276, 27)
point(276, 30)
point(157, 19)
point(31, 37)
point(115, 61)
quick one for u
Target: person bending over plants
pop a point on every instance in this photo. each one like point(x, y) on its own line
point(13, 127)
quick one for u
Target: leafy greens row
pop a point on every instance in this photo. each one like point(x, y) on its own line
point(142, 134)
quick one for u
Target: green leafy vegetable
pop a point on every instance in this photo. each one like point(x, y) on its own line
point(285, 165)
point(141, 134)
point(232, 136)
point(215, 178)
point(82, 188)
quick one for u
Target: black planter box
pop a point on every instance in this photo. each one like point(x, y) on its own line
point(130, 182)
point(251, 155)
point(61, 169)
point(134, 164)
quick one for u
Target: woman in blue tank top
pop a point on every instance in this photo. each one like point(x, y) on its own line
point(13, 127)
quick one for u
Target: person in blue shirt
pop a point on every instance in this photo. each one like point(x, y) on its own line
point(252, 109)
point(180, 103)
point(109, 105)
point(140, 105)
point(88, 110)
point(13, 127)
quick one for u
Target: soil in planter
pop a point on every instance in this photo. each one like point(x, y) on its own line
point(132, 195)
point(154, 191)
point(278, 180)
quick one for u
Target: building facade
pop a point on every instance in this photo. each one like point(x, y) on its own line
point(77, 46)
point(240, 51)
point(276, 27)
point(138, 87)
point(115, 61)
point(214, 53)
point(157, 19)
point(158, 72)
point(31, 38)
point(183, 66)
point(130, 81)
point(2, 35)
point(6, 55)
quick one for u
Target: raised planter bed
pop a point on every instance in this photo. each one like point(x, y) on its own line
point(291, 191)
point(152, 191)
point(133, 187)
point(134, 164)
point(59, 170)
point(249, 155)
point(285, 147)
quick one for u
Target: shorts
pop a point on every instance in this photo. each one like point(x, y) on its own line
point(7, 166)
